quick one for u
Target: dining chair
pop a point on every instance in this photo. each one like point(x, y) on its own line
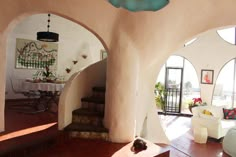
point(31, 104)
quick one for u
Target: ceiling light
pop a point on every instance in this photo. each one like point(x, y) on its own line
point(140, 5)
point(48, 36)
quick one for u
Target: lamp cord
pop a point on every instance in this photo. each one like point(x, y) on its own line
point(48, 21)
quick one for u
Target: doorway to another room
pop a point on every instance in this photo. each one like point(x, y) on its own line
point(173, 86)
point(180, 85)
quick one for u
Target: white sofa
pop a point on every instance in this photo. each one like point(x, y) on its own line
point(216, 125)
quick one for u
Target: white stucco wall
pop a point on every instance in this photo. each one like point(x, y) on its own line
point(143, 39)
point(209, 51)
point(78, 86)
point(74, 41)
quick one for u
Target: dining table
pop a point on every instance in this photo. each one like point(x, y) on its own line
point(48, 93)
point(43, 86)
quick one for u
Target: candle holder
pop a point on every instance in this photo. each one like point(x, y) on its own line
point(75, 61)
point(68, 70)
point(84, 56)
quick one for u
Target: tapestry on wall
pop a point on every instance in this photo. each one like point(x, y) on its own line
point(32, 54)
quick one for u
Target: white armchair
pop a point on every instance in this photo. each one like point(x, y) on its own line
point(216, 125)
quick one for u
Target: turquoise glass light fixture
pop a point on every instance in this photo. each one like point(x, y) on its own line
point(140, 5)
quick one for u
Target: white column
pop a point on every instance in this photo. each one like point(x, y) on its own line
point(121, 98)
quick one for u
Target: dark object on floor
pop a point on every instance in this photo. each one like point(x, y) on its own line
point(138, 145)
point(211, 139)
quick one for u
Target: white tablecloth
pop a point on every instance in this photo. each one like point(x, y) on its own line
point(42, 86)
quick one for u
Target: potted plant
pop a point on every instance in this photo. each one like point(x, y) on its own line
point(48, 75)
point(160, 95)
point(36, 77)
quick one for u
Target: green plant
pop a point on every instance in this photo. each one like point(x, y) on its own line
point(47, 73)
point(36, 75)
point(160, 95)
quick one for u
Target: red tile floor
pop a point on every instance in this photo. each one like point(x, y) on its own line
point(49, 142)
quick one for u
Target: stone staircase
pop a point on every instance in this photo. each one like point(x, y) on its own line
point(87, 120)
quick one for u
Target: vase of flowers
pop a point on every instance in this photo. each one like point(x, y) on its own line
point(48, 75)
point(194, 103)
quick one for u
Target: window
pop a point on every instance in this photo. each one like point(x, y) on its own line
point(225, 87)
point(190, 83)
point(191, 88)
point(227, 34)
point(175, 61)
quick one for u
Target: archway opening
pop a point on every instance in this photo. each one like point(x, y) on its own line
point(77, 49)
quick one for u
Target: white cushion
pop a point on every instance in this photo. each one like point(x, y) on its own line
point(202, 115)
point(217, 111)
point(229, 142)
point(216, 125)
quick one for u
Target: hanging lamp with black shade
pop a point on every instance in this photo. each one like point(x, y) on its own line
point(48, 36)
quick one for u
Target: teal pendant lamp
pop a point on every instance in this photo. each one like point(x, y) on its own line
point(140, 5)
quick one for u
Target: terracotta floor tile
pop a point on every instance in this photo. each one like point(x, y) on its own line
point(178, 130)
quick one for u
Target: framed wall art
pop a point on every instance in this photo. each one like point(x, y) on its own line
point(32, 54)
point(207, 76)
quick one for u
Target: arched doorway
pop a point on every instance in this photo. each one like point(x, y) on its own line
point(77, 44)
point(181, 83)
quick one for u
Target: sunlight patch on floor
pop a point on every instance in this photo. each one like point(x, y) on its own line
point(178, 132)
point(26, 131)
point(175, 127)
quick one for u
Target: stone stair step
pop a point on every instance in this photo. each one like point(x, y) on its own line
point(77, 130)
point(85, 111)
point(95, 121)
point(93, 107)
point(93, 104)
point(85, 128)
point(99, 89)
point(89, 135)
point(85, 116)
point(96, 100)
point(87, 121)
point(99, 92)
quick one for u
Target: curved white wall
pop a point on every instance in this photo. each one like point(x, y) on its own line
point(209, 51)
point(79, 86)
point(143, 39)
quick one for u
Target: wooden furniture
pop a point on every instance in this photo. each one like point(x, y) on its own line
point(49, 93)
point(152, 150)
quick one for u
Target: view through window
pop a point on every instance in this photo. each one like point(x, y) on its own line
point(225, 87)
point(190, 83)
point(227, 34)
point(224, 92)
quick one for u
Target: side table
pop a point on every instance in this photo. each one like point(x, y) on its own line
point(200, 135)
